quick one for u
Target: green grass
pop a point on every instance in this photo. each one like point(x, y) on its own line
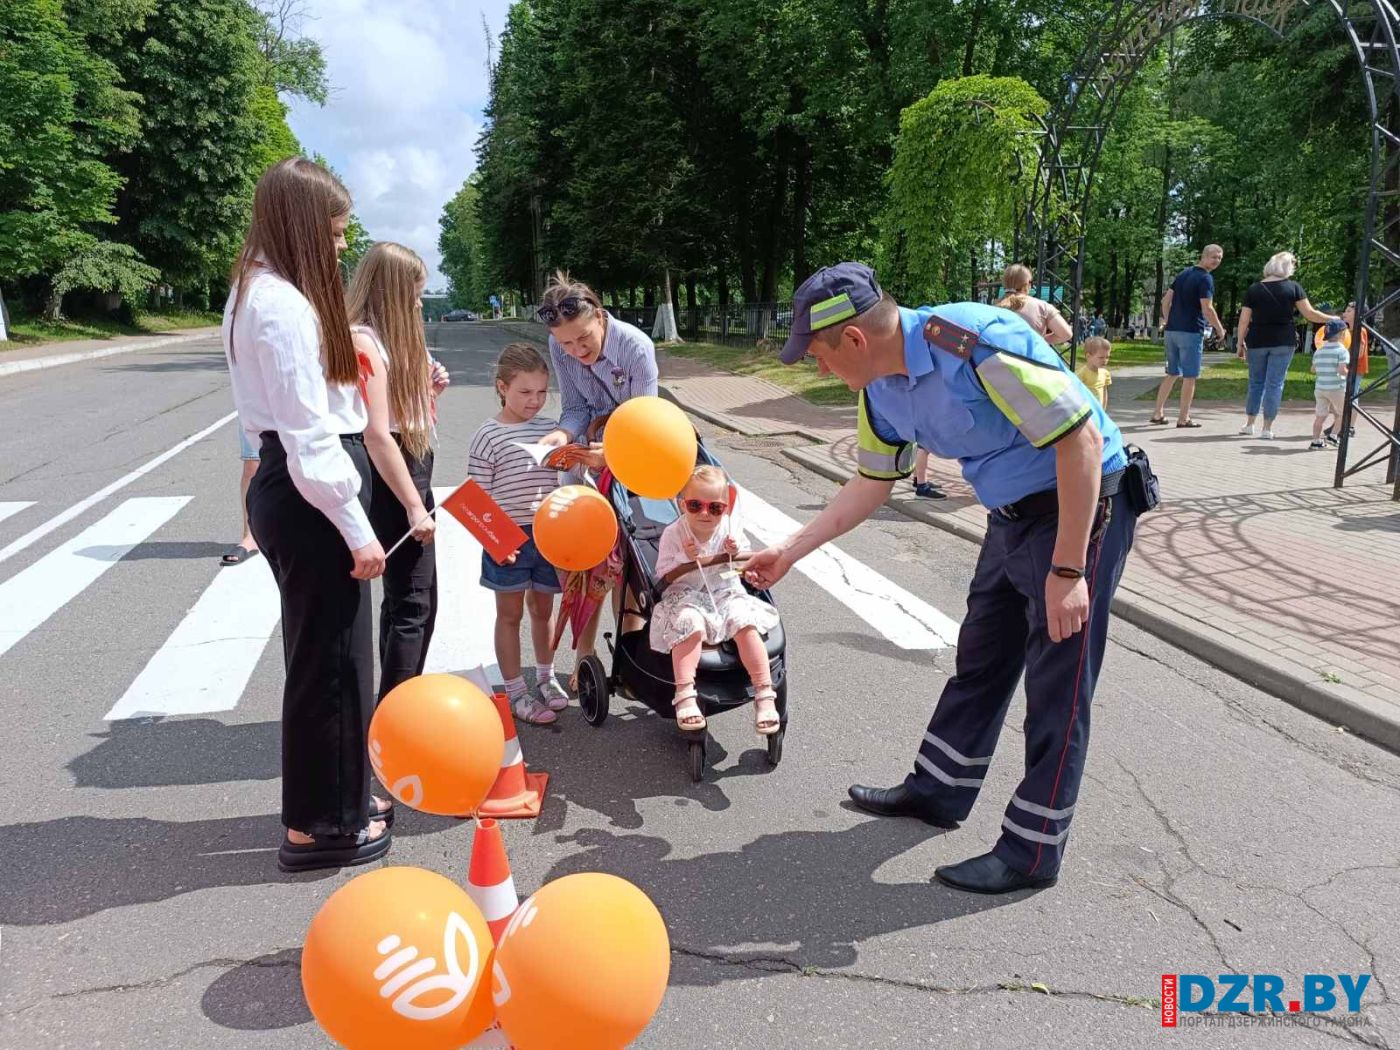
point(1133, 353)
point(35, 331)
point(1229, 381)
point(802, 378)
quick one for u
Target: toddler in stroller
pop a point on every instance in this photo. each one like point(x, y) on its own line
point(705, 602)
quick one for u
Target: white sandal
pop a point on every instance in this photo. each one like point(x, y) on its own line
point(766, 723)
point(689, 717)
point(534, 711)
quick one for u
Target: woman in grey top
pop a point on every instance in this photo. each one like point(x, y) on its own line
point(600, 361)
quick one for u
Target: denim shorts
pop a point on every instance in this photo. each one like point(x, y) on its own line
point(529, 571)
point(1184, 353)
point(246, 450)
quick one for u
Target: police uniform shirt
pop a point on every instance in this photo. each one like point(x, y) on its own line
point(983, 388)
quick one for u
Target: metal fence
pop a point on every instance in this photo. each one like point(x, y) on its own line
point(738, 324)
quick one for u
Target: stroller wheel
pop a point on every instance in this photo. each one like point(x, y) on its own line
point(593, 691)
point(696, 749)
point(775, 747)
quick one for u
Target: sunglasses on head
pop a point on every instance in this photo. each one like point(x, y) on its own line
point(565, 310)
point(715, 507)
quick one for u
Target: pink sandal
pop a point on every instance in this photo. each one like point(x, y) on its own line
point(766, 721)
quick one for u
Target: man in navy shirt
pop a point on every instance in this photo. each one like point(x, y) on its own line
point(1190, 309)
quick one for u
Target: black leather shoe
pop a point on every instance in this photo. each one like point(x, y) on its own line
point(898, 801)
point(988, 874)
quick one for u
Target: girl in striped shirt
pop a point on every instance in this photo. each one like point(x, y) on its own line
point(525, 582)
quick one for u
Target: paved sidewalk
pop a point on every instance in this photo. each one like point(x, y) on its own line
point(1254, 562)
point(51, 355)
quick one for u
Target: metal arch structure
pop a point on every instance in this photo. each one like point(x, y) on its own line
point(1054, 223)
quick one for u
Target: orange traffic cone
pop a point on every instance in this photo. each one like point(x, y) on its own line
point(489, 881)
point(516, 793)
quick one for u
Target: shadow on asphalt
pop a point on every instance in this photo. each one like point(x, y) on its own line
point(210, 362)
point(259, 995)
point(161, 550)
point(165, 752)
point(795, 898)
point(879, 645)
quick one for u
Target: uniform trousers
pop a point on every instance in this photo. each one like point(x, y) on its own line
point(327, 644)
point(408, 611)
point(1003, 634)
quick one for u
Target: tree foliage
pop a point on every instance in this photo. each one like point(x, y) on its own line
point(460, 244)
point(100, 266)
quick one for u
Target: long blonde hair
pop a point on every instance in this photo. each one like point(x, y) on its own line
point(1016, 279)
point(294, 204)
point(384, 296)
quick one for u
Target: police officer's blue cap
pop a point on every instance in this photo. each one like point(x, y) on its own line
point(831, 295)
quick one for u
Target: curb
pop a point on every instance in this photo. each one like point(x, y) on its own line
point(34, 364)
point(1337, 704)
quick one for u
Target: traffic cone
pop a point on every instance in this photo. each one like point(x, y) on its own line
point(489, 881)
point(516, 792)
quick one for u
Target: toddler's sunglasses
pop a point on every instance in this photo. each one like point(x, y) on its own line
point(715, 507)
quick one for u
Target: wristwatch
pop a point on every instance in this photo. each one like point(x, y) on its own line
point(1067, 572)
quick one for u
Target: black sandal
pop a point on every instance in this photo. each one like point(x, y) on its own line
point(386, 814)
point(236, 555)
point(333, 851)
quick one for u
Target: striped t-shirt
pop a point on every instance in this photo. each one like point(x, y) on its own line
point(1326, 360)
point(499, 465)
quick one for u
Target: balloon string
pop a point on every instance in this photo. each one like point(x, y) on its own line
point(714, 602)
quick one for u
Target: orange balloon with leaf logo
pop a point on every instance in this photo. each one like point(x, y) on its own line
point(399, 957)
point(436, 742)
point(583, 964)
point(650, 447)
point(575, 528)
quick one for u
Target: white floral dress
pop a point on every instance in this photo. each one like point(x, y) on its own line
point(718, 611)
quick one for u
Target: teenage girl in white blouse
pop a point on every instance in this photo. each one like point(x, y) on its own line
point(297, 387)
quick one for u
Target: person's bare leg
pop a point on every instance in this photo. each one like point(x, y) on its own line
point(541, 609)
point(921, 466)
point(1317, 427)
point(1164, 391)
point(685, 658)
point(250, 467)
point(754, 655)
point(1188, 394)
point(510, 610)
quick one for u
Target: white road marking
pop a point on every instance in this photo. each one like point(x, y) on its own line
point(9, 510)
point(905, 619)
point(35, 593)
point(464, 637)
point(206, 662)
point(72, 512)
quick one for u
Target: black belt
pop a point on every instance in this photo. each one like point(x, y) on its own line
point(1042, 504)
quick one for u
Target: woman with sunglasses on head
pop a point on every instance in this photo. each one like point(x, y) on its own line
point(600, 361)
point(297, 386)
point(705, 603)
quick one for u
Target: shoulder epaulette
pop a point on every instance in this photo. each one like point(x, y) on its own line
point(945, 335)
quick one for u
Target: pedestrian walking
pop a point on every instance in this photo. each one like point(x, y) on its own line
point(1189, 307)
point(385, 310)
point(296, 383)
point(975, 383)
point(1329, 364)
point(1266, 338)
point(1043, 318)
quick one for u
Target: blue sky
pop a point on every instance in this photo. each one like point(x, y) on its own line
point(408, 87)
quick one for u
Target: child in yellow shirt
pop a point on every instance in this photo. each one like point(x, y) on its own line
point(1093, 370)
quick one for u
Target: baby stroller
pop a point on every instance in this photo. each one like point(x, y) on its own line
point(638, 671)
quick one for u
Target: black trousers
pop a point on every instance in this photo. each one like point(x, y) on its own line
point(1003, 634)
point(409, 609)
point(328, 646)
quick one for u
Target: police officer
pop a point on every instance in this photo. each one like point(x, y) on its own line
point(975, 383)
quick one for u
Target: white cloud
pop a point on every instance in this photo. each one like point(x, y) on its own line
point(408, 87)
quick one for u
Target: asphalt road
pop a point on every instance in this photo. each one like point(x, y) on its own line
point(1219, 830)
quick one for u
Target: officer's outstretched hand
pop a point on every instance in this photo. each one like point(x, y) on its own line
point(767, 567)
point(1066, 606)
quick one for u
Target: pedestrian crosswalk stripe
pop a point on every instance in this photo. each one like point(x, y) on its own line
point(10, 509)
point(466, 622)
point(65, 516)
point(206, 662)
point(905, 619)
point(35, 593)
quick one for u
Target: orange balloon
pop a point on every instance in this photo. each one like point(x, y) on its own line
point(436, 742)
point(575, 528)
point(583, 964)
point(398, 957)
point(650, 447)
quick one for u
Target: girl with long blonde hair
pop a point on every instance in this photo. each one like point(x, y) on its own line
point(296, 378)
point(386, 317)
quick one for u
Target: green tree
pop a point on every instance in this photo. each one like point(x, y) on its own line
point(293, 63)
point(61, 109)
point(101, 266)
point(188, 178)
point(957, 182)
point(460, 244)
